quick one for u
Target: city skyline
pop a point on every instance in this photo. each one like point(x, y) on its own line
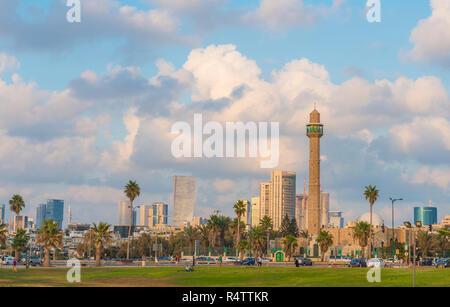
point(86, 114)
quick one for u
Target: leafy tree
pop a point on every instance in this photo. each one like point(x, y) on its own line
point(190, 235)
point(289, 245)
point(443, 238)
point(285, 226)
point(143, 245)
point(325, 240)
point(131, 190)
point(50, 236)
point(267, 226)
point(362, 234)
point(102, 236)
point(371, 193)
point(293, 228)
point(203, 234)
point(425, 242)
point(3, 235)
point(20, 242)
point(257, 240)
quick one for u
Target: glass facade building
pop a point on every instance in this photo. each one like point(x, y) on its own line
point(184, 194)
point(2, 214)
point(426, 215)
point(55, 210)
point(40, 215)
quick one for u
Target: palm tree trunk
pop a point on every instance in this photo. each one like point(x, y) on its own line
point(238, 236)
point(129, 229)
point(371, 236)
point(16, 255)
point(268, 243)
point(97, 256)
point(47, 257)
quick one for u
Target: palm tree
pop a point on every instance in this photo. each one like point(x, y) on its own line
point(443, 238)
point(3, 235)
point(50, 236)
point(239, 209)
point(102, 236)
point(371, 193)
point(325, 240)
point(16, 204)
point(289, 245)
point(267, 226)
point(425, 242)
point(131, 190)
point(20, 242)
point(362, 234)
point(203, 233)
point(256, 240)
point(191, 234)
point(212, 228)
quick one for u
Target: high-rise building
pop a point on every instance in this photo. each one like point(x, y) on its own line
point(198, 221)
point(256, 211)
point(247, 216)
point(19, 222)
point(124, 213)
point(2, 214)
point(282, 197)
point(264, 199)
point(160, 213)
point(184, 193)
point(324, 208)
point(335, 219)
point(40, 214)
point(300, 210)
point(55, 210)
point(426, 215)
point(144, 215)
point(314, 131)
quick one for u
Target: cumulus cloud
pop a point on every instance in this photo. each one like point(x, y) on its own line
point(279, 15)
point(8, 62)
point(432, 176)
point(372, 129)
point(101, 19)
point(431, 37)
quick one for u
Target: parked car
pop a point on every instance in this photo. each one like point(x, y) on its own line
point(248, 261)
point(358, 263)
point(204, 259)
point(304, 261)
point(376, 263)
point(266, 259)
point(231, 259)
point(164, 259)
point(443, 263)
point(339, 259)
point(426, 262)
point(8, 260)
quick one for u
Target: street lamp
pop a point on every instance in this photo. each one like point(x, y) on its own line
point(393, 200)
point(409, 226)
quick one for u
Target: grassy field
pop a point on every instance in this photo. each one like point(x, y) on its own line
point(225, 277)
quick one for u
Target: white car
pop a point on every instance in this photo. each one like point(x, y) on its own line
point(8, 260)
point(376, 263)
point(231, 259)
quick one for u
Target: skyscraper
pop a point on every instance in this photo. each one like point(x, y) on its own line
point(314, 131)
point(256, 211)
point(40, 214)
point(184, 193)
point(159, 214)
point(282, 197)
point(324, 208)
point(2, 214)
point(124, 213)
point(55, 210)
point(247, 216)
point(300, 210)
point(335, 219)
point(264, 199)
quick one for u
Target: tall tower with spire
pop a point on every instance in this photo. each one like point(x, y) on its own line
point(314, 131)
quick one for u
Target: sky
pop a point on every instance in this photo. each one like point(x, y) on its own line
point(88, 106)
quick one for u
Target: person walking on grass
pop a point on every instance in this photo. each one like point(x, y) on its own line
point(14, 265)
point(259, 261)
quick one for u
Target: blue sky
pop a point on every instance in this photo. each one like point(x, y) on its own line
point(85, 87)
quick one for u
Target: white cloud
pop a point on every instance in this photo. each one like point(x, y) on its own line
point(8, 63)
point(277, 15)
point(432, 176)
point(431, 37)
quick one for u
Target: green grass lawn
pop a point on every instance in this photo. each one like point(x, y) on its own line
point(225, 277)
